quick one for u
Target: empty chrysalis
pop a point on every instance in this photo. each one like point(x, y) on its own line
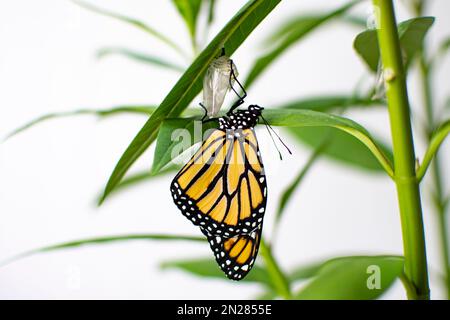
point(218, 80)
point(380, 88)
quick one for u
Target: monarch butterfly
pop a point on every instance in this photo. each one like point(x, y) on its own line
point(236, 255)
point(223, 187)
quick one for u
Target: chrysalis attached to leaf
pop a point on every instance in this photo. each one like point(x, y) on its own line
point(218, 80)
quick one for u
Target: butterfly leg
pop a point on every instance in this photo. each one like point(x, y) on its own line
point(206, 111)
point(241, 98)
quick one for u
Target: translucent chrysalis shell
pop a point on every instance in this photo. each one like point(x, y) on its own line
point(216, 84)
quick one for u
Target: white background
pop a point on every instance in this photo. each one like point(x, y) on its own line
point(51, 174)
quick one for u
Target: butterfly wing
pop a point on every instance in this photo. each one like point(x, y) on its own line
point(223, 187)
point(235, 255)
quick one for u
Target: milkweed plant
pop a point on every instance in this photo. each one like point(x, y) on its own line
point(389, 48)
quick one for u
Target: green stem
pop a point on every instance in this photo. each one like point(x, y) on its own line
point(427, 96)
point(438, 195)
point(409, 287)
point(408, 192)
point(443, 238)
point(278, 278)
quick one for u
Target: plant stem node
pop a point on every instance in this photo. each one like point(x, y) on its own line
point(389, 75)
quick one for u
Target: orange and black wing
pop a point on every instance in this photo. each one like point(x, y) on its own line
point(223, 186)
point(236, 255)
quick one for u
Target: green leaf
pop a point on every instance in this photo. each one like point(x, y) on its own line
point(211, 11)
point(304, 272)
point(102, 113)
point(447, 103)
point(366, 45)
point(411, 33)
point(189, 10)
point(436, 140)
point(144, 176)
point(190, 83)
point(141, 177)
point(172, 134)
point(330, 103)
point(131, 21)
point(344, 148)
point(289, 190)
point(443, 49)
point(308, 118)
point(104, 240)
point(291, 33)
point(207, 267)
point(308, 20)
point(140, 57)
point(357, 21)
point(444, 46)
point(352, 278)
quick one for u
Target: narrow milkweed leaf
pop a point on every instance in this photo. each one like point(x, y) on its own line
point(445, 202)
point(289, 190)
point(207, 267)
point(139, 57)
point(441, 52)
point(189, 10)
point(346, 149)
point(304, 272)
point(444, 48)
point(291, 33)
point(174, 137)
point(331, 103)
point(103, 240)
point(211, 11)
point(131, 21)
point(411, 33)
point(353, 278)
point(343, 148)
point(436, 140)
point(306, 21)
point(102, 113)
point(447, 103)
point(307, 118)
point(143, 176)
point(190, 83)
point(358, 21)
point(139, 178)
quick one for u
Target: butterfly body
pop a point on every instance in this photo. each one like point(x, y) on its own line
point(223, 187)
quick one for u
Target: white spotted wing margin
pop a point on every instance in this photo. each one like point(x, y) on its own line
point(236, 255)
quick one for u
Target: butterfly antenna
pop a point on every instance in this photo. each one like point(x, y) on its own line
point(271, 136)
point(268, 126)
